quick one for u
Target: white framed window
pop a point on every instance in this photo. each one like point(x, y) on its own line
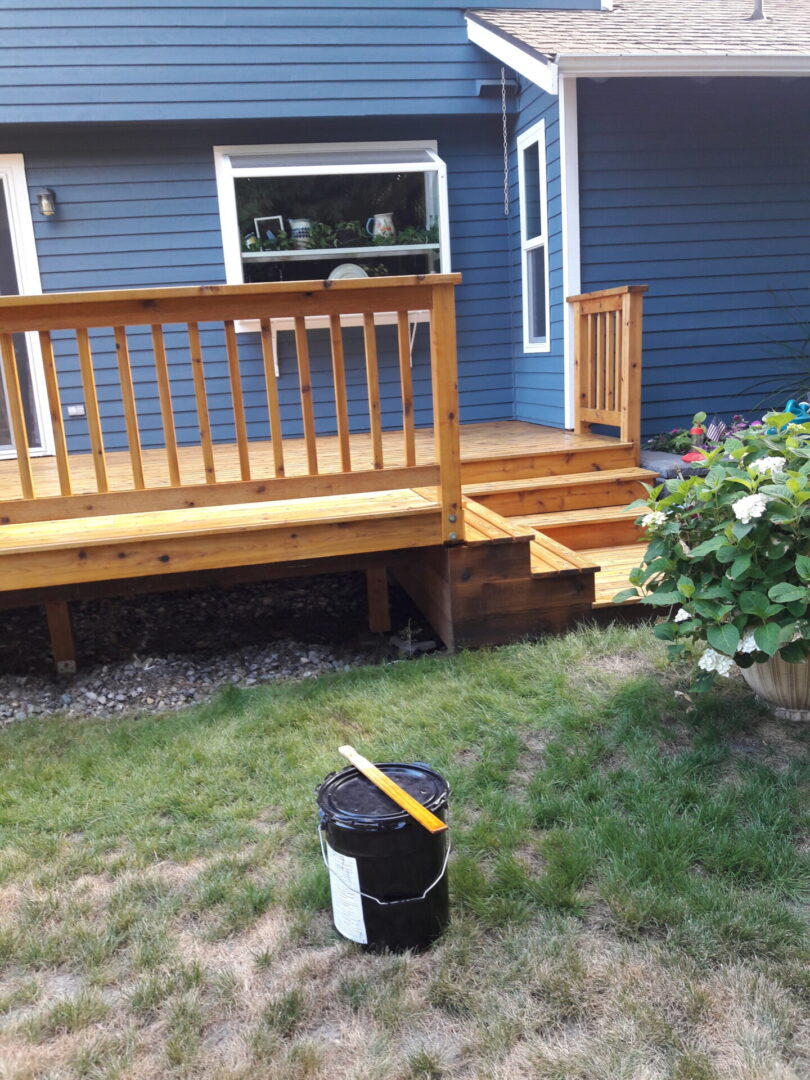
point(19, 274)
point(533, 197)
point(304, 211)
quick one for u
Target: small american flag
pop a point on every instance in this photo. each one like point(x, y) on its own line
point(716, 429)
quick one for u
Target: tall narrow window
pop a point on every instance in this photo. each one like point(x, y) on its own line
point(533, 237)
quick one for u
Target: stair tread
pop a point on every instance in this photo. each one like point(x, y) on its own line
point(550, 558)
point(595, 476)
point(616, 563)
point(593, 514)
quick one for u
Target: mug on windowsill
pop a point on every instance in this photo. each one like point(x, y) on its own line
point(300, 231)
point(383, 226)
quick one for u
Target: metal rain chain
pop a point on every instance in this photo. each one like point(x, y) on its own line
point(505, 145)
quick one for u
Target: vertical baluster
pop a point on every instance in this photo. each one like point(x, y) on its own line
point(237, 398)
point(619, 346)
point(341, 405)
point(203, 419)
point(406, 385)
point(610, 360)
point(55, 411)
point(600, 359)
point(17, 415)
point(165, 395)
point(305, 382)
point(130, 410)
point(273, 409)
point(91, 409)
point(373, 381)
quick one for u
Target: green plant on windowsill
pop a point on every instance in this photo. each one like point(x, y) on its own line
point(729, 553)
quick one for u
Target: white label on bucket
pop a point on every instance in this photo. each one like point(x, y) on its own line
point(347, 903)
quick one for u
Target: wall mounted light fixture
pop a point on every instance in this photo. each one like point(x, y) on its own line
point(47, 202)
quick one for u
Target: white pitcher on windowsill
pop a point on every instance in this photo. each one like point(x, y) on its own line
point(383, 226)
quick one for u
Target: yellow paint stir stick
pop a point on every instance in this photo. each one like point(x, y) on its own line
point(401, 797)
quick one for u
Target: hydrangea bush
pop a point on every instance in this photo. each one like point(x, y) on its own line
point(729, 553)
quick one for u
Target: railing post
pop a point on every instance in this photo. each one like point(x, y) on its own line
point(445, 410)
point(580, 372)
point(630, 394)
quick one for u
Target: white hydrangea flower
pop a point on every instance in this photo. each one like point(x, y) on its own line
point(715, 661)
point(653, 517)
point(682, 615)
point(749, 507)
point(767, 465)
point(748, 644)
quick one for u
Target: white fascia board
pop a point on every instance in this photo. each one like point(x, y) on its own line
point(530, 65)
point(657, 65)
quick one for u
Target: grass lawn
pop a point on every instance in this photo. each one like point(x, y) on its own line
point(629, 881)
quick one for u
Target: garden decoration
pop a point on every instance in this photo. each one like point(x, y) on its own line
point(798, 412)
point(729, 556)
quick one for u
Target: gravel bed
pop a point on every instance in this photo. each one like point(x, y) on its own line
point(146, 654)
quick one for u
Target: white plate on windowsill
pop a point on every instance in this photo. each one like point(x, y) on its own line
point(347, 270)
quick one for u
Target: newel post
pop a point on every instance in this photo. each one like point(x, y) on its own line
point(445, 410)
point(631, 316)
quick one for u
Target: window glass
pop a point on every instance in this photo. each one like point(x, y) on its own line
point(531, 191)
point(536, 274)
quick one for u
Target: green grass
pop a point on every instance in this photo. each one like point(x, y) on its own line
point(629, 878)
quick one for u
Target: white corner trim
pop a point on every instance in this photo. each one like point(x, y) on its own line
point(530, 65)
point(572, 267)
point(607, 5)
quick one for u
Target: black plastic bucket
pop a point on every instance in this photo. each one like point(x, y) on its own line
point(387, 873)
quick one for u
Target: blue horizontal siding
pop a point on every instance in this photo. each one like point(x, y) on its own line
point(703, 192)
point(84, 61)
point(138, 208)
point(539, 390)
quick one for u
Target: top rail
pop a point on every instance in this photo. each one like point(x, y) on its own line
point(188, 330)
point(216, 303)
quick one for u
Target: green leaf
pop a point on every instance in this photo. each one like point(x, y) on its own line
point(686, 587)
point(625, 594)
point(740, 565)
point(795, 652)
point(803, 567)
point(784, 593)
point(724, 638)
point(663, 599)
point(708, 546)
point(754, 603)
point(727, 554)
point(740, 531)
point(767, 637)
point(665, 631)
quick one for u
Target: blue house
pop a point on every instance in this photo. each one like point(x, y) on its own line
point(542, 150)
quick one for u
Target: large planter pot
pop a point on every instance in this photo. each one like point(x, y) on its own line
point(785, 687)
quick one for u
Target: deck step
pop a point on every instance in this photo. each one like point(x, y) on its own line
point(616, 563)
point(592, 456)
point(556, 494)
point(579, 529)
point(484, 526)
point(552, 559)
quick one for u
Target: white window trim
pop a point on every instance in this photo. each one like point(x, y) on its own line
point(533, 135)
point(226, 173)
point(23, 245)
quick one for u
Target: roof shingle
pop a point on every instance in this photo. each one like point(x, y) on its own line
point(660, 27)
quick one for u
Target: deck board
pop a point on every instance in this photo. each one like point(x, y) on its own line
point(492, 441)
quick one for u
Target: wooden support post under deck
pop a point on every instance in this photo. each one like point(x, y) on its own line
point(379, 606)
point(60, 629)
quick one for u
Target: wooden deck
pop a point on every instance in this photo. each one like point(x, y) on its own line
point(511, 521)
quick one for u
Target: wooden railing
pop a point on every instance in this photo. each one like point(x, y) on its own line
point(117, 312)
point(607, 360)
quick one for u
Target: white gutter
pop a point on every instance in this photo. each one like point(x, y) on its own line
point(537, 69)
point(706, 65)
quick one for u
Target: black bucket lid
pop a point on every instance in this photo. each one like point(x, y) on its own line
point(350, 799)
